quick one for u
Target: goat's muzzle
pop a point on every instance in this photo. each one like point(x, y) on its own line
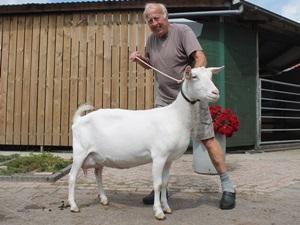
point(215, 95)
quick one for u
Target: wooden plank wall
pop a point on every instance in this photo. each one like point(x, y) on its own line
point(52, 63)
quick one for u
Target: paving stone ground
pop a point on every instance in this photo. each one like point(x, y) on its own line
point(267, 184)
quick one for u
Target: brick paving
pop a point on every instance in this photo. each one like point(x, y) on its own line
point(251, 173)
point(259, 173)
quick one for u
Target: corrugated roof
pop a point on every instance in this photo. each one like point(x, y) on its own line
point(48, 2)
point(72, 5)
point(273, 14)
point(106, 5)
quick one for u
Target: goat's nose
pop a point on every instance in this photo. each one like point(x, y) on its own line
point(216, 91)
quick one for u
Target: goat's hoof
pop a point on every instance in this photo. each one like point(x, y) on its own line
point(168, 211)
point(160, 216)
point(104, 201)
point(75, 209)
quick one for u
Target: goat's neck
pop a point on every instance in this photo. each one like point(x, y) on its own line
point(183, 107)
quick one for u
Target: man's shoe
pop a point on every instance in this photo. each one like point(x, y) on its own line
point(149, 199)
point(228, 200)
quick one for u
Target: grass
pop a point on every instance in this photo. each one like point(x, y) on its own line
point(44, 162)
point(4, 158)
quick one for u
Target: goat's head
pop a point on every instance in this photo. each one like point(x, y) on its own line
point(198, 84)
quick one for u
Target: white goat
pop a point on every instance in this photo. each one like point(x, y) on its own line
point(126, 138)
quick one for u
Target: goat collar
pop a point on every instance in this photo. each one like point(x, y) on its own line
point(186, 98)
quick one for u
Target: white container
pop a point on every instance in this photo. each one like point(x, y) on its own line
point(201, 160)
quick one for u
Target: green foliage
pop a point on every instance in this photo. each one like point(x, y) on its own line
point(4, 158)
point(35, 163)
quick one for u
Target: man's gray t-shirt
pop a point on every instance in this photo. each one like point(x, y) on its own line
point(171, 55)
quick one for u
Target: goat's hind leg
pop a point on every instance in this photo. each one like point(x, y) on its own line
point(102, 195)
point(77, 162)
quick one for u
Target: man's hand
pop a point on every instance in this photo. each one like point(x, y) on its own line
point(200, 58)
point(134, 55)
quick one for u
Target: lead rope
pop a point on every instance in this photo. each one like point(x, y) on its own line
point(162, 73)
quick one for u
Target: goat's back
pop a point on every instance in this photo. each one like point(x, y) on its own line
point(125, 138)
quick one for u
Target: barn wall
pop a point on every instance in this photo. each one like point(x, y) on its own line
point(52, 63)
point(234, 47)
point(241, 81)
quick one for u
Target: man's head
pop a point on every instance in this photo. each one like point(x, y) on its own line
point(156, 16)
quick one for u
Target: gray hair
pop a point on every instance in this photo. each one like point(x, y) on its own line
point(149, 6)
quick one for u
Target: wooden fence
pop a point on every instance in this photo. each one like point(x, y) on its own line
point(52, 63)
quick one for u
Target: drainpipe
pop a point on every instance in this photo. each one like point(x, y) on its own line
point(221, 77)
point(230, 12)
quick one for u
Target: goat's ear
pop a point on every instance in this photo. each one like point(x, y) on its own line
point(188, 73)
point(215, 70)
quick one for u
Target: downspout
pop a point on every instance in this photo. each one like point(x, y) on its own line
point(230, 12)
point(221, 60)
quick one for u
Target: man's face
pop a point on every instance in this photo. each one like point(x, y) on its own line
point(157, 22)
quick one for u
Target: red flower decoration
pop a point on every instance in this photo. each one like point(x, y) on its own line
point(225, 121)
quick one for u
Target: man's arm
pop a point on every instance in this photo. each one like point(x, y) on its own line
point(200, 58)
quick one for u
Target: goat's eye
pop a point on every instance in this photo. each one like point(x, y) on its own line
point(194, 77)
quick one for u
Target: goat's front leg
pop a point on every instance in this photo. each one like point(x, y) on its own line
point(157, 170)
point(165, 179)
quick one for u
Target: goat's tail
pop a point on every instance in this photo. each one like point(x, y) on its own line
point(80, 110)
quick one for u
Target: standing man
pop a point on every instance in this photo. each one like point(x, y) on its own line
point(170, 48)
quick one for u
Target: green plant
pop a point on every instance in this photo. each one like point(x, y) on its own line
point(44, 162)
point(4, 158)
